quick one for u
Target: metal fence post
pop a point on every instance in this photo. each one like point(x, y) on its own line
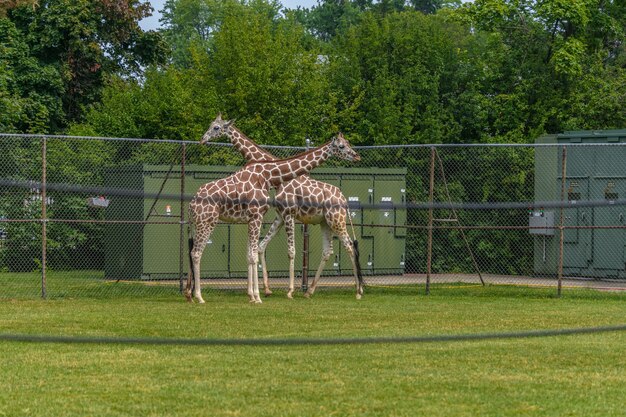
point(182, 217)
point(561, 221)
point(431, 194)
point(44, 218)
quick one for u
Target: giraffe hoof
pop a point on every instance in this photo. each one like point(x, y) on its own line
point(268, 293)
point(307, 295)
point(358, 296)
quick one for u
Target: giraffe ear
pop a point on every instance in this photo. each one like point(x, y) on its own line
point(229, 123)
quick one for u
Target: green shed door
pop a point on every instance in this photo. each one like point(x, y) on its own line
point(123, 243)
point(214, 262)
point(238, 256)
point(609, 185)
point(161, 242)
point(577, 250)
point(389, 242)
point(124, 250)
point(608, 249)
point(359, 191)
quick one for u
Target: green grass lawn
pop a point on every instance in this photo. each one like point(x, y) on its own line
point(582, 375)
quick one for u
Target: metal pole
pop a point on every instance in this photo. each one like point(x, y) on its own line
point(561, 221)
point(182, 217)
point(431, 194)
point(44, 215)
point(305, 245)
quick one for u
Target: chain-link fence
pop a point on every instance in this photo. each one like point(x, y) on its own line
point(106, 217)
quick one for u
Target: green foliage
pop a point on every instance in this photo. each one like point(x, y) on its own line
point(268, 79)
point(30, 90)
point(329, 18)
point(259, 68)
point(488, 71)
point(189, 26)
point(61, 51)
point(7, 5)
point(552, 49)
point(393, 68)
point(598, 100)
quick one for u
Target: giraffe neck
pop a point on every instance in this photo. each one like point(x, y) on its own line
point(250, 150)
point(284, 170)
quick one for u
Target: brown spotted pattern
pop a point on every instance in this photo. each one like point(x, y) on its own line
point(304, 199)
point(243, 197)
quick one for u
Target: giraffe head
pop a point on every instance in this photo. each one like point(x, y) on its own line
point(341, 148)
point(218, 128)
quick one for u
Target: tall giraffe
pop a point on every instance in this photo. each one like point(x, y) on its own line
point(243, 197)
point(303, 199)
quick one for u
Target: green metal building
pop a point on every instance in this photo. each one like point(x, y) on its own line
point(153, 251)
point(595, 172)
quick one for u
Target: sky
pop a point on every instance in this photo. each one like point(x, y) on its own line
point(152, 22)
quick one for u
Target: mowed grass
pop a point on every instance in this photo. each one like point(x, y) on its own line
point(582, 375)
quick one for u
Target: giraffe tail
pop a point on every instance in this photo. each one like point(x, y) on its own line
point(355, 247)
point(190, 276)
point(357, 262)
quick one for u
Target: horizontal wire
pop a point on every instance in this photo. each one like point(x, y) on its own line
point(309, 341)
point(300, 148)
point(355, 205)
point(372, 225)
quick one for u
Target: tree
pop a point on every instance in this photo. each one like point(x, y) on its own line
point(7, 5)
point(79, 43)
point(553, 49)
point(189, 26)
point(327, 18)
point(30, 91)
point(390, 69)
point(267, 77)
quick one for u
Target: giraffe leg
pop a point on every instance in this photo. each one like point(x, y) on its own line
point(291, 252)
point(254, 231)
point(204, 228)
point(347, 244)
point(278, 223)
point(255, 280)
point(250, 283)
point(188, 285)
point(327, 251)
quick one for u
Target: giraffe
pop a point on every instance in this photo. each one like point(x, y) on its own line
point(243, 197)
point(303, 199)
